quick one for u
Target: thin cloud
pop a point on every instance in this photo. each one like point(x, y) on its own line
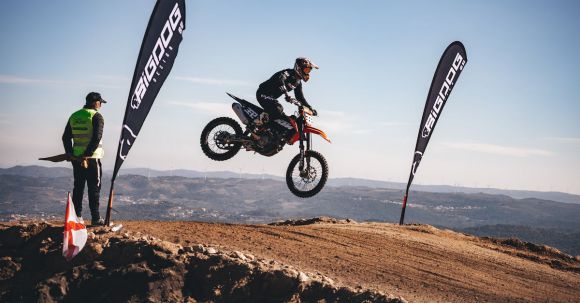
point(4, 119)
point(563, 139)
point(363, 131)
point(111, 81)
point(499, 150)
point(115, 78)
point(333, 121)
point(332, 126)
point(393, 124)
point(212, 81)
point(334, 113)
point(16, 80)
point(340, 122)
point(212, 108)
point(11, 79)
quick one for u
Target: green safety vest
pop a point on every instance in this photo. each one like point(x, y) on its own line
point(81, 123)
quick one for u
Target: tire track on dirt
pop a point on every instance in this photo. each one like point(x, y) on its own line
point(419, 263)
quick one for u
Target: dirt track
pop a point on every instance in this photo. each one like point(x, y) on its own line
point(419, 263)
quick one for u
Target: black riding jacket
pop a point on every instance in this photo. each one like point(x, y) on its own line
point(284, 80)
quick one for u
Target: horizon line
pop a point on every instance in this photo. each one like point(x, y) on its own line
point(335, 178)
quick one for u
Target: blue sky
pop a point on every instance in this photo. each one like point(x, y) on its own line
point(511, 121)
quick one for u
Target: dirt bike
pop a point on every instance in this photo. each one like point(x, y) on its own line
point(223, 137)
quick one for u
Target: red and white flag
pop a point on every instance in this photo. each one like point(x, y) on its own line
point(75, 232)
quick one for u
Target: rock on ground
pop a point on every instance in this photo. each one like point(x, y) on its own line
point(129, 267)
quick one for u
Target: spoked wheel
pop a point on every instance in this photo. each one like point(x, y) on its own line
point(310, 180)
point(218, 138)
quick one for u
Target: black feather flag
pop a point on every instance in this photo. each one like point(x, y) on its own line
point(450, 66)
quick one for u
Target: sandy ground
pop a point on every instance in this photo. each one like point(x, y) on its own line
point(419, 263)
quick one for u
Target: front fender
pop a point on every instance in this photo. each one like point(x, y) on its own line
point(314, 130)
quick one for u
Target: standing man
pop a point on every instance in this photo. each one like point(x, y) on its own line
point(82, 140)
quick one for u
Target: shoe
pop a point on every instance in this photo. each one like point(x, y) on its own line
point(98, 222)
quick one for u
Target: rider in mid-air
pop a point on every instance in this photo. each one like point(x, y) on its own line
point(280, 84)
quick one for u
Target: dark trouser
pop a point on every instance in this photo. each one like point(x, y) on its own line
point(92, 176)
point(271, 106)
point(274, 110)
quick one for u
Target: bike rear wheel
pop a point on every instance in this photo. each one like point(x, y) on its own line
point(311, 179)
point(218, 138)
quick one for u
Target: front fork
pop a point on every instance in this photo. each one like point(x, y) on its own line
point(304, 137)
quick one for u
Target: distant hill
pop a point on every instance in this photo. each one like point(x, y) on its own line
point(568, 241)
point(249, 200)
point(37, 171)
point(41, 171)
point(235, 200)
point(193, 174)
point(517, 194)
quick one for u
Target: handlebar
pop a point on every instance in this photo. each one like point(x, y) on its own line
point(306, 109)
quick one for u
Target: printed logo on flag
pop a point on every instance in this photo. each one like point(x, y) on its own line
point(446, 74)
point(158, 51)
point(156, 59)
point(444, 92)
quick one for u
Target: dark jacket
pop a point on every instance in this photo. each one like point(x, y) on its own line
point(284, 80)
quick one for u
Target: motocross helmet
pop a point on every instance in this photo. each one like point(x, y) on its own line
point(303, 66)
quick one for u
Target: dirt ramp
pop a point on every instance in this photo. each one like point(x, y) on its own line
point(418, 262)
point(310, 221)
point(131, 267)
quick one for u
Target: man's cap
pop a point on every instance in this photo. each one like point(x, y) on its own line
point(93, 97)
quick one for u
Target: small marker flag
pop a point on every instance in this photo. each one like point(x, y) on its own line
point(75, 232)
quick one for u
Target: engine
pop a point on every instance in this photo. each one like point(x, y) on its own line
point(271, 142)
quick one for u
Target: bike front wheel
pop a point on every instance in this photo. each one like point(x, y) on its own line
point(308, 180)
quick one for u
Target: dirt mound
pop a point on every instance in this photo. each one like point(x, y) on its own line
point(321, 261)
point(542, 249)
point(132, 267)
point(420, 263)
point(317, 220)
point(538, 253)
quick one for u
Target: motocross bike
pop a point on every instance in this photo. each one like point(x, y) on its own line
point(223, 137)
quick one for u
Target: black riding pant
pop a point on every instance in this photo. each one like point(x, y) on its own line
point(275, 111)
point(271, 106)
point(92, 177)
